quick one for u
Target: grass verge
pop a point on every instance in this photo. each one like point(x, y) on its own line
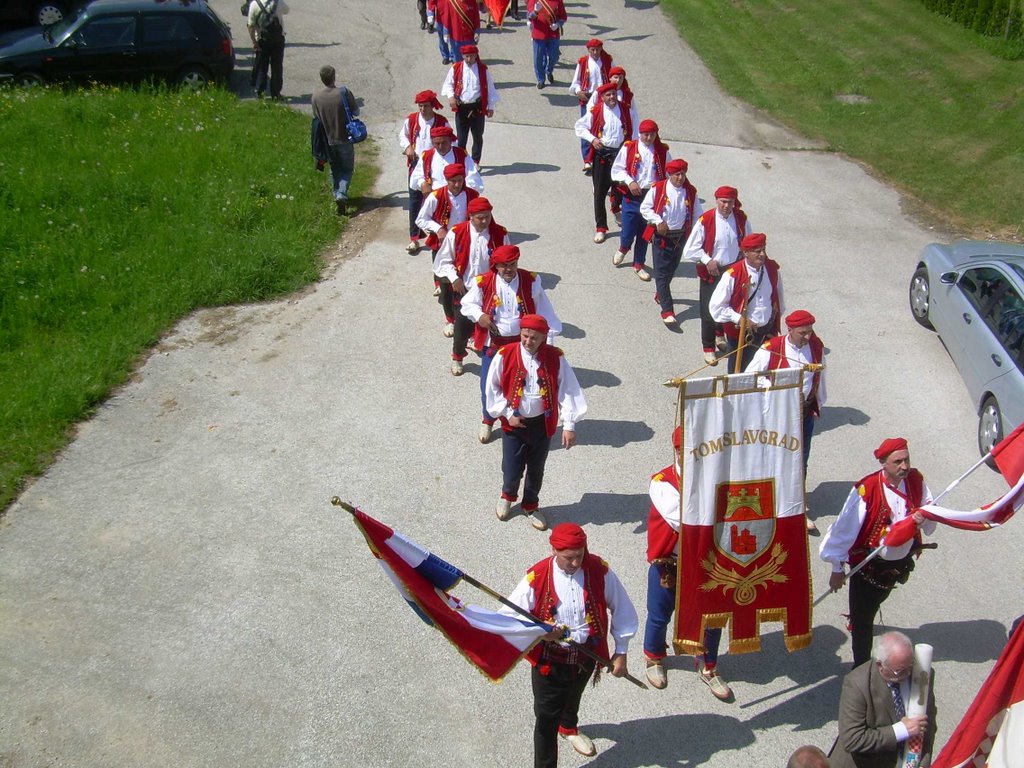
point(941, 108)
point(120, 212)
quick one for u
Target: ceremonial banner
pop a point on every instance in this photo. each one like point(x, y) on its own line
point(497, 9)
point(493, 642)
point(992, 731)
point(743, 543)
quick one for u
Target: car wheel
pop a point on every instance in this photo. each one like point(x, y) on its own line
point(28, 79)
point(48, 12)
point(193, 77)
point(920, 295)
point(990, 425)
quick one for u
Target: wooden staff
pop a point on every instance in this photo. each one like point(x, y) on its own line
point(742, 339)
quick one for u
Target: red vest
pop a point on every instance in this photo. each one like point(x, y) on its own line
point(488, 285)
point(495, 237)
point(412, 129)
point(481, 69)
point(584, 67)
point(662, 540)
point(597, 120)
point(661, 200)
point(513, 376)
point(458, 156)
point(545, 600)
point(879, 515)
point(443, 211)
point(777, 346)
point(708, 219)
point(660, 152)
point(738, 270)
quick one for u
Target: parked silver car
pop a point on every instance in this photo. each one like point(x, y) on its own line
point(972, 294)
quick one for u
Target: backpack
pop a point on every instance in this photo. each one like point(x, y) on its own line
point(269, 29)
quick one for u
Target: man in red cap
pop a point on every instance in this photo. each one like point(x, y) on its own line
point(469, 88)
point(442, 209)
point(531, 387)
point(592, 71)
point(414, 140)
point(713, 245)
point(577, 592)
point(670, 208)
point(463, 25)
point(748, 294)
point(624, 94)
point(663, 523)
point(605, 128)
point(428, 174)
point(875, 503)
point(495, 302)
point(546, 18)
point(465, 253)
point(639, 165)
point(799, 347)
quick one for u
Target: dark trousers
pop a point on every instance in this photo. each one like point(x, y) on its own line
point(667, 250)
point(415, 203)
point(524, 450)
point(757, 338)
point(661, 604)
point(451, 303)
point(808, 434)
point(556, 703)
point(602, 178)
point(269, 57)
point(632, 233)
point(469, 118)
point(421, 6)
point(708, 327)
point(865, 600)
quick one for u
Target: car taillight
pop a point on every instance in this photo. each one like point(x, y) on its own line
point(225, 46)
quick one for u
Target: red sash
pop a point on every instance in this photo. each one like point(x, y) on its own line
point(879, 515)
point(709, 219)
point(488, 288)
point(661, 539)
point(443, 211)
point(740, 279)
point(661, 200)
point(482, 72)
point(513, 377)
point(463, 237)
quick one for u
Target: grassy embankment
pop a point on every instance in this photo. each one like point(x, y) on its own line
point(945, 114)
point(120, 212)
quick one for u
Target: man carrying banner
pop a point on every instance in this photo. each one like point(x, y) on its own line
point(531, 387)
point(663, 523)
point(876, 502)
point(873, 719)
point(576, 591)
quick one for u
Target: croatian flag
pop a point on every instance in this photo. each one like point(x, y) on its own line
point(1008, 456)
point(490, 640)
point(992, 731)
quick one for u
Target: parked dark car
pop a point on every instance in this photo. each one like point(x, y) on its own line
point(35, 12)
point(182, 41)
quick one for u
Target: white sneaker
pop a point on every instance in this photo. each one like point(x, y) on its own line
point(538, 520)
point(710, 677)
point(643, 274)
point(504, 509)
point(619, 257)
point(581, 744)
point(449, 330)
point(412, 247)
point(600, 237)
point(710, 358)
point(485, 433)
point(457, 368)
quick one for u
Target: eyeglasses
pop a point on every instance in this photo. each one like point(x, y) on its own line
point(899, 673)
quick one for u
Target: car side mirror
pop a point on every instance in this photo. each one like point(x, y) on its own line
point(948, 278)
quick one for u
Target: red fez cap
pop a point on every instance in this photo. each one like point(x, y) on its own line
point(753, 240)
point(677, 437)
point(479, 205)
point(442, 130)
point(726, 193)
point(533, 322)
point(594, 43)
point(648, 126)
point(454, 169)
point(616, 71)
point(470, 49)
point(503, 254)
point(602, 90)
point(427, 97)
point(568, 536)
point(677, 166)
point(889, 445)
point(799, 318)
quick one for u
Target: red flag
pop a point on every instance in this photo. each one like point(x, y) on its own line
point(992, 731)
point(1008, 454)
point(497, 9)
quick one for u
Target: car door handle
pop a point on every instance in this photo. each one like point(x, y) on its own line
point(997, 360)
point(967, 318)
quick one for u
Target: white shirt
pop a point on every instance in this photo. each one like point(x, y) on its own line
point(612, 134)
point(437, 179)
point(618, 94)
point(596, 78)
point(254, 12)
point(422, 139)
point(726, 248)
point(470, 85)
point(674, 213)
point(759, 303)
point(797, 357)
point(506, 314)
point(425, 218)
point(571, 404)
point(645, 172)
point(835, 546)
point(571, 610)
point(479, 257)
point(665, 498)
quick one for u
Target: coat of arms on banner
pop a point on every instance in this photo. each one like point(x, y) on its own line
point(744, 519)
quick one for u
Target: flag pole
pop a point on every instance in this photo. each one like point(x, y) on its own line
point(509, 604)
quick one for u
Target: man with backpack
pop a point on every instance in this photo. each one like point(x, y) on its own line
point(267, 34)
point(332, 106)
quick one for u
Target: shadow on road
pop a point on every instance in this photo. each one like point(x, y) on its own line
point(602, 509)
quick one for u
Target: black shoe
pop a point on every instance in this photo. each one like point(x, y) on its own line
point(430, 28)
point(540, 85)
point(446, 62)
point(339, 206)
point(551, 78)
point(516, 15)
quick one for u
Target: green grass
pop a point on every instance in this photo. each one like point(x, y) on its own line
point(945, 121)
point(120, 212)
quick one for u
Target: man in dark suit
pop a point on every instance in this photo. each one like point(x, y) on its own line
point(873, 724)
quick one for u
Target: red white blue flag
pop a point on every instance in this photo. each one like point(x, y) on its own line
point(491, 641)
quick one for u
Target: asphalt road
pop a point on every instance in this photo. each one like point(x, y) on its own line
point(178, 590)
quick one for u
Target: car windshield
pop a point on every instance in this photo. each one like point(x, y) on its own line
point(57, 30)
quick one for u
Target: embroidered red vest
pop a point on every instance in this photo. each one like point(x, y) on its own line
point(458, 156)
point(513, 377)
point(443, 211)
point(709, 219)
point(879, 515)
point(661, 538)
point(738, 270)
point(597, 120)
point(584, 67)
point(545, 600)
point(488, 289)
point(463, 237)
point(777, 346)
point(661, 200)
point(412, 130)
point(482, 72)
point(660, 152)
